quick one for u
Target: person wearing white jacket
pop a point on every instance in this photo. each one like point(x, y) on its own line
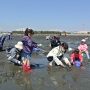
point(57, 55)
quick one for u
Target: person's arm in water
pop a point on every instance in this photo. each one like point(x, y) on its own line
point(81, 58)
point(72, 58)
point(14, 57)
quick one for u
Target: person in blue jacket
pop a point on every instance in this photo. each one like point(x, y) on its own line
point(2, 39)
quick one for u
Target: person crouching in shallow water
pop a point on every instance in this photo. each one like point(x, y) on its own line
point(83, 47)
point(14, 55)
point(76, 58)
point(28, 46)
point(57, 55)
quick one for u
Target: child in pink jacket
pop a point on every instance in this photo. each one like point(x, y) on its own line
point(76, 56)
point(84, 48)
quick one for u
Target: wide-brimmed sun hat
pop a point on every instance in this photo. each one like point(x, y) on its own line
point(19, 45)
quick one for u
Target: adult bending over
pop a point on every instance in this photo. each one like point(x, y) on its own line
point(57, 55)
point(14, 55)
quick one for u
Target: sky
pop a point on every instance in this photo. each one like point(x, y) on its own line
point(60, 15)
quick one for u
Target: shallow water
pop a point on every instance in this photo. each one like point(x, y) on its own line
point(13, 78)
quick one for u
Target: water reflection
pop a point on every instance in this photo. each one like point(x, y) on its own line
point(41, 79)
point(22, 78)
point(68, 80)
point(25, 82)
point(16, 75)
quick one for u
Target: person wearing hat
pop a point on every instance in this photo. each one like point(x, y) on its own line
point(57, 55)
point(76, 57)
point(83, 47)
point(14, 55)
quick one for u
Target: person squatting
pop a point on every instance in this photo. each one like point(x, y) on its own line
point(57, 55)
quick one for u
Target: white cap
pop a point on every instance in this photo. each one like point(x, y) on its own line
point(19, 45)
point(83, 40)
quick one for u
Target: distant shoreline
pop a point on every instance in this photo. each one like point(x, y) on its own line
point(52, 34)
point(78, 34)
point(57, 34)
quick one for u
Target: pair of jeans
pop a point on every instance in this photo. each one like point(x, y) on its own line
point(25, 55)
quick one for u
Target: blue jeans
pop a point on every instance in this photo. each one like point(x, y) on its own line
point(26, 56)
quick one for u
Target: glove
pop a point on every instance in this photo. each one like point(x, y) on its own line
point(71, 63)
point(39, 44)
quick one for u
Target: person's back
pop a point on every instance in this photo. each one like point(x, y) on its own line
point(28, 46)
point(2, 39)
point(14, 55)
point(57, 55)
point(56, 51)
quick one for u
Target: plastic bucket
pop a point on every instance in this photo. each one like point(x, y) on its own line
point(77, 63)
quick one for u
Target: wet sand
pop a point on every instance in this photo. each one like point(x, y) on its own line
point(13, 78)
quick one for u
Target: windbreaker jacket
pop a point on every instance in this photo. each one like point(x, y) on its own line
point(28, 44)
point(83, 47)
point(74, 57)
point(57, 51)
